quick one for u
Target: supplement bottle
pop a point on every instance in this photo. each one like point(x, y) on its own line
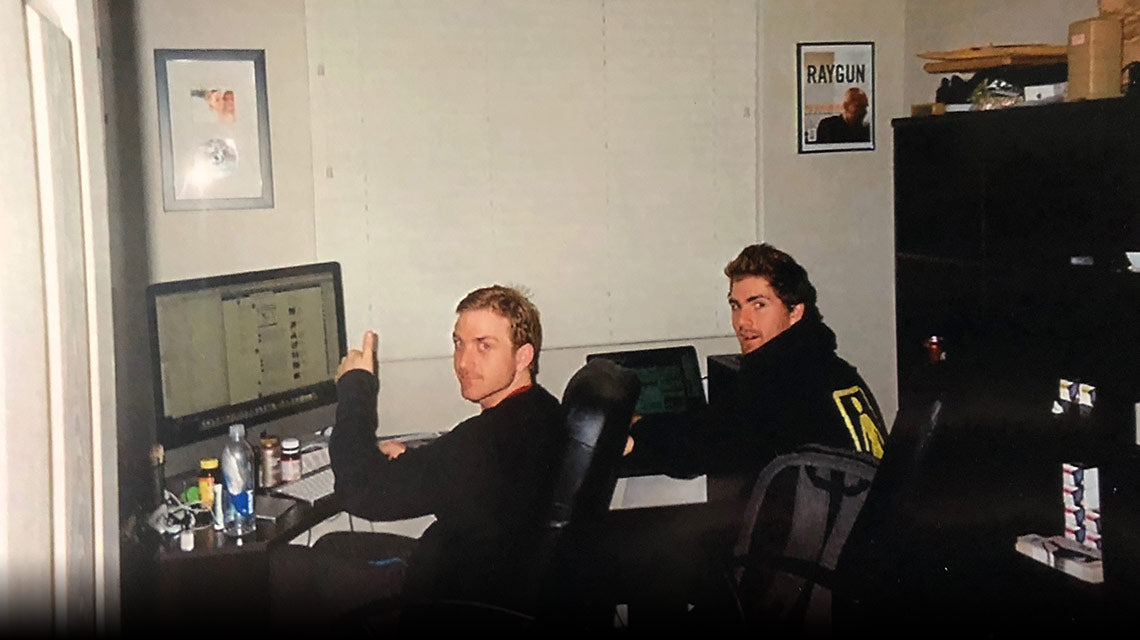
point(270, 462)
point(290, 459)
point(208, 476)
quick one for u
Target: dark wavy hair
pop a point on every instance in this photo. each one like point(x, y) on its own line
point(781, 270)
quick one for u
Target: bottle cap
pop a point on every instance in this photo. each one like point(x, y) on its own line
point(291, 444)
point(186, 540)
point(208, 463)
point(237, 430)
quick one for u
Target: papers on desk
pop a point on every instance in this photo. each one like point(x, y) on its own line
point(271, 507)
point(658, 491)
point(412, 527)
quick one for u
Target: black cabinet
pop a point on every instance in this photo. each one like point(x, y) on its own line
point(1010, 233)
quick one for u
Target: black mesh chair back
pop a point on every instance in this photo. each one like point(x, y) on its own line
point(800, 513)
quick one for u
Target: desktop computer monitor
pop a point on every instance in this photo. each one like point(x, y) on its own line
point(722, 370)
point(258, 347)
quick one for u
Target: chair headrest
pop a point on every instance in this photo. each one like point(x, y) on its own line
point(602, 384)
point(598, 406)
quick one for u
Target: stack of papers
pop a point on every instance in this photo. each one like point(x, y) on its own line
point(658, 491)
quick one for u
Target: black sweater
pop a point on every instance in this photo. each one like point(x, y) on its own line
point(481, 480)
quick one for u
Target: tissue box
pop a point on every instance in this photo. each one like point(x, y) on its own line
point(1046, 92)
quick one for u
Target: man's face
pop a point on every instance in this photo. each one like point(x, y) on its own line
point(758, 314)
point(855, 109)
point(487, 365)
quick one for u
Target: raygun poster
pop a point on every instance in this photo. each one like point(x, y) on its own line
point(836, 96)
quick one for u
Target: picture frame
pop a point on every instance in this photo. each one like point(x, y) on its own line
point(836, 96)
point(213, 124)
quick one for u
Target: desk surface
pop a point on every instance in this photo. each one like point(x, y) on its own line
point(287, 526)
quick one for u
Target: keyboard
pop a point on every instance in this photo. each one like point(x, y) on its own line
point(317, 481)
point(413, 440)
point(309, 488)
point(314, 457)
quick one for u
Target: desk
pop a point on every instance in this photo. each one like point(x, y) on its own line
point(638, 492)
point(225, 576)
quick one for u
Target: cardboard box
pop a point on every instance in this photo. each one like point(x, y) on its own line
point(1094, 52)
point(1128, 12)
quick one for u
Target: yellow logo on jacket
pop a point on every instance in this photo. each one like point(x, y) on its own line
point(862, 423)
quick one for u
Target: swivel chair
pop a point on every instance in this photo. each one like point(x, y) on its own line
point(873, 568)
point(800, 513)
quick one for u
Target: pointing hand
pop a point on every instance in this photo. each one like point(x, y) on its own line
point(363, 358)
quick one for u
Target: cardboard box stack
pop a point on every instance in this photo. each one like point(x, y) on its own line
point(1128, 12)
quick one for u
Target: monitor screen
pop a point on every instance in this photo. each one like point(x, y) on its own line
point(670, 377)
point(247, 347)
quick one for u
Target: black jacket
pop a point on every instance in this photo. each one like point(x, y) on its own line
point(792, 391)
point(481, 480)
point(836, 129)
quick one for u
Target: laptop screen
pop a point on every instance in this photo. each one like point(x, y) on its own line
point(670, 377)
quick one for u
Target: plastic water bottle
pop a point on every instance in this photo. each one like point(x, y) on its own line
point(237, 471)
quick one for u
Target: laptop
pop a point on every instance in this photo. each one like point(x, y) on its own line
point(670, 383)
point(670, 377)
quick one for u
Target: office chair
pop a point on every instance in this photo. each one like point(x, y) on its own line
point(801, 510)
point(552, 578)
point(871, 573)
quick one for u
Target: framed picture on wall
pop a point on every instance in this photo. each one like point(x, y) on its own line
point(836, 96)
point(213, 125)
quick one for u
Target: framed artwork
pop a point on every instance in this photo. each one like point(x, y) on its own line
point(836, 83)
point(213, 125)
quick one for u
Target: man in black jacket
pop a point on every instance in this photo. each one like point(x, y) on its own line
point(848, 126)
point(791, 390)
point(481, 479)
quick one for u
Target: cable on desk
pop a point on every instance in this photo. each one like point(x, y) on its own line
point(174, 515)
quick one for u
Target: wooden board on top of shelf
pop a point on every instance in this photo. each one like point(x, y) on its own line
point(989, 51)
point(989, 62)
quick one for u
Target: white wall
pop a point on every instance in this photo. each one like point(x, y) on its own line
point(834, 211)
point(599, 154)
point(198, 243)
